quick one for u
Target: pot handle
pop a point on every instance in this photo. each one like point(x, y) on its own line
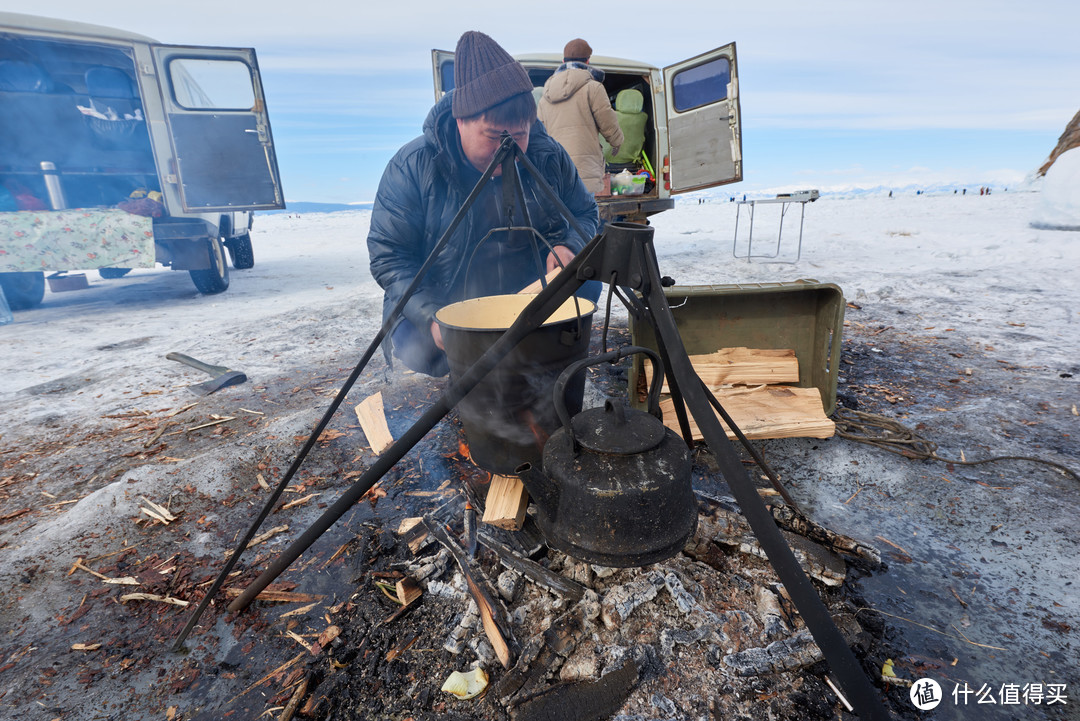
point(564, 379)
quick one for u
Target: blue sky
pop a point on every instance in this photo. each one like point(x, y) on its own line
point(833, 94)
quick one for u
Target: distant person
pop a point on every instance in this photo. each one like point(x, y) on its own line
point(426, 183)
point(576, 111)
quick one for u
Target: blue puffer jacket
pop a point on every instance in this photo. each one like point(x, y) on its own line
point(423, 187)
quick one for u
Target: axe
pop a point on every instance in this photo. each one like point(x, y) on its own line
point(223, 377)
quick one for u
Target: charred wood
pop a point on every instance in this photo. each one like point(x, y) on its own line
point(532, 570)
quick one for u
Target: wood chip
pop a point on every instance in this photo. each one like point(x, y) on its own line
point(262, 482)
point(277, 596)
point(372, 419)
point(263, 537)
point(154, 597)
point(299, 501)
point(211, 423)
point(85, 646)
point(298, 611)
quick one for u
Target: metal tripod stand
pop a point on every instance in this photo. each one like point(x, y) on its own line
point(623, 256)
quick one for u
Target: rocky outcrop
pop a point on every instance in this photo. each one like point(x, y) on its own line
point(1068, 140)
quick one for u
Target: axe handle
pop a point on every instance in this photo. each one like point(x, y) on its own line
point(204, 367)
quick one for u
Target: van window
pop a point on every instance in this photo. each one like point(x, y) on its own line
point(701, 84)
point(206, 84)
point(446, 74)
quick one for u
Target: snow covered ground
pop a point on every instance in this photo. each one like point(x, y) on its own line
point(966, 269)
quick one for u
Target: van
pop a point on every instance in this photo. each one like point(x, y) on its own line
point(693, 136)
point(118, 152)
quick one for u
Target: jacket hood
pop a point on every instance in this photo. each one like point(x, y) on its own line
point(562, 85)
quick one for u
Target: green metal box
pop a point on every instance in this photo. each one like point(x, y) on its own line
point(803, 315)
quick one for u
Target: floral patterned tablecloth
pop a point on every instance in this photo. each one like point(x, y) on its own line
point(82, 239)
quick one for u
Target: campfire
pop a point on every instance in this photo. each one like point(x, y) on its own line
point(519, 630)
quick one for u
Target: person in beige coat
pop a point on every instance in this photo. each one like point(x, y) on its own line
point(575, 110)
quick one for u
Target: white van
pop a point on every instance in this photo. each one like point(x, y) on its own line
point(693, 137)
point(117, 152)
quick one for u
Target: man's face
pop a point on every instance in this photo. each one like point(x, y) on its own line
point(480, 138)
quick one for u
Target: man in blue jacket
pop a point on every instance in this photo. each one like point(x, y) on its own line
point(427, 182)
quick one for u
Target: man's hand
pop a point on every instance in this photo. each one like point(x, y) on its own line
point(436, 335)
point(564, 254)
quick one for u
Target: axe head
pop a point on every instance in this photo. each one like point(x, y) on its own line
point(231, 378)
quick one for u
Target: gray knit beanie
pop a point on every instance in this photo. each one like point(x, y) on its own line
point(484, 75)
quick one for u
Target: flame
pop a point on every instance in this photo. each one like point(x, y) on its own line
point(463, 450)
point(538, 432)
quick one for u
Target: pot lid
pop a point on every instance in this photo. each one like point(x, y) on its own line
point(617, 430)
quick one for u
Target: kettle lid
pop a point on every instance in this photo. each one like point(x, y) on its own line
point(617, 430)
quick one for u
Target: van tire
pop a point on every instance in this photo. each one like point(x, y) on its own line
point(23, 290)
point(113, 273)
point(241, 252)
point(214, 279)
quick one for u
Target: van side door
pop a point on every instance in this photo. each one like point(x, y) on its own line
point(219, 128)
point(704, 130)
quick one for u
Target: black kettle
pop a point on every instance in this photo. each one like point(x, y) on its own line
point(616, 486)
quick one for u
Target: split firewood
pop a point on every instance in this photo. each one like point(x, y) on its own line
point(765, 412)
point(416, 535)
point(506, 502)
point(532, 570)
point(492, 613)
point(741, 366)
point(408, 590)
point(372, 419)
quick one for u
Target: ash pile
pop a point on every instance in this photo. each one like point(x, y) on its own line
point(520, 631)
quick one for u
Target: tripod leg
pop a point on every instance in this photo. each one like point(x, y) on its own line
point(860, 692)
point(532, 317)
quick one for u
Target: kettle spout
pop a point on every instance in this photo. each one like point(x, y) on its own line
point(542, 489)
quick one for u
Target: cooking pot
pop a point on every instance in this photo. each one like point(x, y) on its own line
point(509, 415)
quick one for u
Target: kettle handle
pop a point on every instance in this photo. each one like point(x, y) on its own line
point(611, 357)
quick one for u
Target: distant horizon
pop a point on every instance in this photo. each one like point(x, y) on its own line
point(1027, 184)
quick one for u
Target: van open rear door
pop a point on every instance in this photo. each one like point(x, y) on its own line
point(704, 131)
point(220, 130)
point(442, 64)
